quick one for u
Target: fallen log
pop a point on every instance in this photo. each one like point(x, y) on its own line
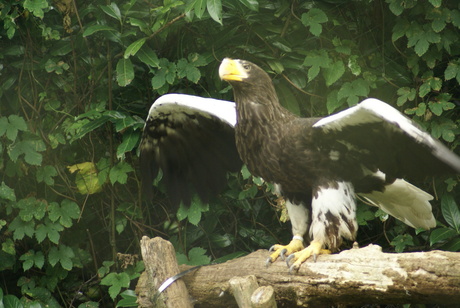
point(353, 277)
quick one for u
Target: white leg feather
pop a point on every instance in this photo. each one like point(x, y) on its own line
point(334, 215)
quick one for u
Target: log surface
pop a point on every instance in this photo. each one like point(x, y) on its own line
point(352, 277)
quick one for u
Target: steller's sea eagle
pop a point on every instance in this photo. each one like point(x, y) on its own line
point(316, 164)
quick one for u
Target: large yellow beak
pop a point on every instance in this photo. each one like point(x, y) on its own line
point(232, 70)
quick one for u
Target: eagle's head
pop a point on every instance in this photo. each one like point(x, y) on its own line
point(250, 83)
point(241, 71)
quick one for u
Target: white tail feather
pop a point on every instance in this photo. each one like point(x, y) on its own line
point(405, 202)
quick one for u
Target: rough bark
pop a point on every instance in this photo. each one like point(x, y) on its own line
point(160, 264)
point(352, 277)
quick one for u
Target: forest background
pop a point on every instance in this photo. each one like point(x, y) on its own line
point(77, 79)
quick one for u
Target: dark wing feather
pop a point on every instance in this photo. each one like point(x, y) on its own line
point(192, 140)
point(381, 137)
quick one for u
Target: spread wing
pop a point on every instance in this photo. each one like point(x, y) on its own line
point(192, 140)
point(375, 145)
point(385, 139)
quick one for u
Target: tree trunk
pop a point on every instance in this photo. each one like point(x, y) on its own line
point(160, 264)
point(353, 277)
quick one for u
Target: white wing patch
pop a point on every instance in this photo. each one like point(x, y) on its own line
point(405, 202)
point(180, 104)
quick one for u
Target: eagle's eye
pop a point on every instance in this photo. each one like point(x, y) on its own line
point(247, 67)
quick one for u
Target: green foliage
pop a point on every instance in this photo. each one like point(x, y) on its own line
point(76, 83)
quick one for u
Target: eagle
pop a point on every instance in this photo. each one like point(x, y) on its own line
point(319, 165)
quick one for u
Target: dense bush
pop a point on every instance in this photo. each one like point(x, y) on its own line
point(77, 79)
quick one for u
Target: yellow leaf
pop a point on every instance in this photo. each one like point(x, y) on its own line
point(86, 178)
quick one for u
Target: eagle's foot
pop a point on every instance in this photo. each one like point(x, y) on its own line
point(314, 249)
point(284, 250)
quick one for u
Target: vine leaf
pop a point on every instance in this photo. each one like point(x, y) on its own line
point(125, 72)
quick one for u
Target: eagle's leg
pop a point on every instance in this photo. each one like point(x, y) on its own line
point(333, 218)
point(298, 214)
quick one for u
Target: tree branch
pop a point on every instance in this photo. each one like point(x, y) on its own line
point(352, 277)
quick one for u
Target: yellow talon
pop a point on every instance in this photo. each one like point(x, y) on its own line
point(314, 249)
point(285, 250)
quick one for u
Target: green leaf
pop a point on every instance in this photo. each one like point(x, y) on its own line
point(148, 56)
point(32, 258)
point(125, 72)
point(112, 10)
point(215, 10)
point(36, 7)
point(30, 149)
point(197, 256)
point(450, 211)
point(452, 71)
point(9, 247)
point(354, 66)
point(93, 305)
point(116, 282)
point(313, 19)
point(46, 174)
point(65, 213)
point(193, 74)
point(334, 72)
point(134, 47)
point(62, 254)
point(333, 102)
point(200, 7)
point(431, 83)
point(245, 172)
point(445, 129)
point(420, 38)
point(129, 299)
point(455, 17)
point(130, 140)
point(97, 28)
point(49, 230)
point(316, 60)
point(158, 80)
point(90, 126)
point(30, 208)
point(193, 212)
point(405, 94)
point(7, 193)
point(11, 301)
point(436, 3)
point(435, 107)
point(11, 125)
point(396, 7)
point(21, 228)
point(119, 173)
point(400, 242)
point(441, 234)
point(253, 5)
point(353, 90)
point(103, 166)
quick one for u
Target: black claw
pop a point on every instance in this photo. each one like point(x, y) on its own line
point(283, 254)
point(268, 262)
point(288, 259)
point(315, 256)
point(271, 248)
point(293, 269)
